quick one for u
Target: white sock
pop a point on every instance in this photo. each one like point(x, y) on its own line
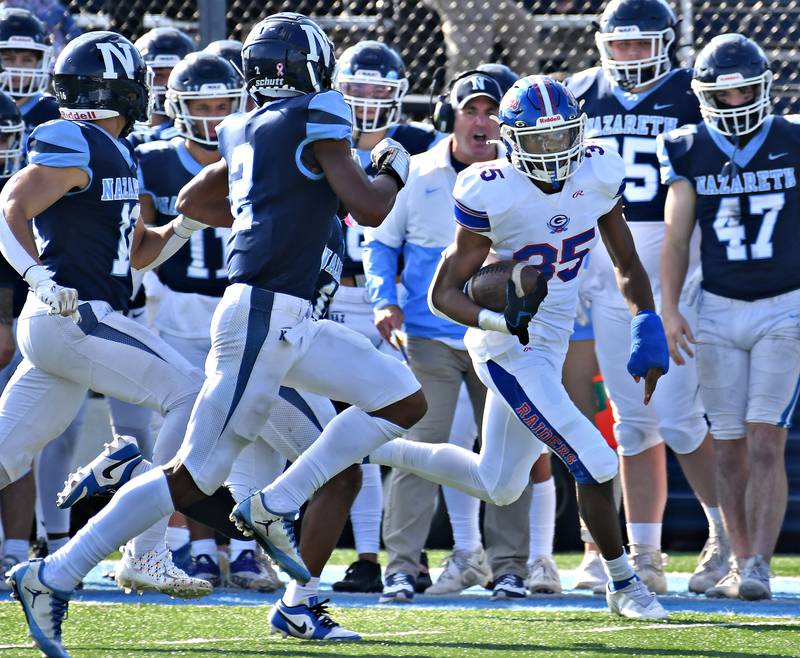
point(542, 519)
point(205, 547)
point(463, 511)
point(17, 548)
point(619, 570)
point(645, 534)
point(55, 544)
point(365, 514)
point(177, 538)
point(238, 545)
point(134, 508)
point(716, 528)
point(296, 593)
point(344, 441)
point(152, 539)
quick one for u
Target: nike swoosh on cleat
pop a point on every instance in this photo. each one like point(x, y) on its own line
point(299, 629)
point(107, 471)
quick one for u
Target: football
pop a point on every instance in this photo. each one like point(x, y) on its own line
point(487, 287)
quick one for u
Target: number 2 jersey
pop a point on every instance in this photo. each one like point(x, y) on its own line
point(748, 205)
point(84, 238)
point(554, 232)
point(630, 123)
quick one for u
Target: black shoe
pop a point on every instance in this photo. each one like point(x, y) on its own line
point(423, 581)
point(361, 576)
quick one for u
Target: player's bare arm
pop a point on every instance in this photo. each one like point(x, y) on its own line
point(367, 201)
point(205, 197)
point(679, 217)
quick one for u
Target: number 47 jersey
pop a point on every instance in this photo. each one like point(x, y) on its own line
point(748, 205)
point(553, 232)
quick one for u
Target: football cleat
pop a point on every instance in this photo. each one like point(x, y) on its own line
point(543, 576)
point(509, 586)
point(399, 588)
point(649, 566)
point(245, 572)
point(754, 585)
point(634, 601)
point(274, 532)
point(423, 580)
point(204, 568)
point(155, 572)
point(308, 621)
point(728, 586)
point(462, 569)
point(712, 565)
point(361, 576)
point(591, 573)
point(44, 607)
point(104, 474)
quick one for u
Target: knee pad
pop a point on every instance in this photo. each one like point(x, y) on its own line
point(634, 440)
point(684, 440)
point(603, 465)
point(507, 492)
point(251, 413)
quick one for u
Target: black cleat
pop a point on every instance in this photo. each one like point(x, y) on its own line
point(423, 581)
point(362, 576)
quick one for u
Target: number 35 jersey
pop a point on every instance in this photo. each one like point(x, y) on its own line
point(748, 205)
point(84, 238)
point(553, 232)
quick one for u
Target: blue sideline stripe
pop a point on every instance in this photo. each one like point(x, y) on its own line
point(90, 326)
point(786, 416)
point(539, 426)
point(297, 401)
point(257, 329)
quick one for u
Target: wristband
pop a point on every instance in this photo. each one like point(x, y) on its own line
point(183, 227)
point(492, 321)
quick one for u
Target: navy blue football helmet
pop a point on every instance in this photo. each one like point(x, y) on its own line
point(505, 76)
point(287, 54)
point(201, 76)
point(542, 125)
point(230, 49)
point(372, 79)
point(637, 20)
point(21, 30)
point(162, 48)
point(101, 75)
point(11, 130)
point(732, 61)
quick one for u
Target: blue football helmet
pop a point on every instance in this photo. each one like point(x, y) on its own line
point(21, 30)
point(163, 48)
point(230, 49)
point(637, 20)
point(542, 128)
point(372, 79)
point(11, 130)
point(732, 61)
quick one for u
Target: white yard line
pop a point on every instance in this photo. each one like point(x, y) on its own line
point(666, 625)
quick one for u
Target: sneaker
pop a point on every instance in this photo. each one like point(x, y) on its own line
point(399, 588)
point(754, 585)
point(634, 601)
point(591, 573)
point(423, 581)
point(246, 573)
point(712, 565)
point(509, 586)
point(155, 572)
point(104, 474)
point(728, 586)
point(274, 532)
point(205, 568)
point(361, 576)
point(462, 569)
point(543, 576)
point(8, 563)
point(649, 566)
point(44, 607)
point(308, 621)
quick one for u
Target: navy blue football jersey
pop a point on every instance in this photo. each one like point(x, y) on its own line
point(631, 122)
point(748, 205)
point(10, 278)
point(198, 266)
point(281, 203)
point(163, 131)
point(85, 237)
point(415, 138)
point(330, 272)
point(38, 109)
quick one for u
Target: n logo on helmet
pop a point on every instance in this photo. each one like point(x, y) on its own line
point(478, 83)
point(122, 53)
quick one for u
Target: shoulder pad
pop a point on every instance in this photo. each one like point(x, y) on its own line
point(607, 167)
point(58, 143)
point(581, 82)
point(329, 117)
point(482, 190)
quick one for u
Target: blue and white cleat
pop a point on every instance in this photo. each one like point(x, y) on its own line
point(104, 474)
point(308, 621)
point(44, 608)
point(274, 532)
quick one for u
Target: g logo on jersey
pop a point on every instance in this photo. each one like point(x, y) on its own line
point(558, 223)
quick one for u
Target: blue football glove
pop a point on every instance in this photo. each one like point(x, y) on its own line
point(648, 344)
point(520, 310)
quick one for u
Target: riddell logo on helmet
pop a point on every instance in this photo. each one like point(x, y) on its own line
point(556, 118)
point(78, 115)
point(730, 77)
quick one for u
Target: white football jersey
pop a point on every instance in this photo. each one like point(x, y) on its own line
point(554, 232)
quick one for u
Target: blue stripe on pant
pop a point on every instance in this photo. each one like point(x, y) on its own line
point(540, 427)
point(297, 401)
point(91, 326)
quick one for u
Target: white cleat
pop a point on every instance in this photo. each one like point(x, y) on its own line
point(634, 601)
point(155, 572)
point(712, 565)
point(590, 573)
point(543, 576)
point(649, 566)
point(309, 620)
point(462, 569)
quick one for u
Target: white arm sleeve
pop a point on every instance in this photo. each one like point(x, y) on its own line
point(10, 247)
point(182, 229)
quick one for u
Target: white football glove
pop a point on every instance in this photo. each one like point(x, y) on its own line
point(61, 300)
point(390, 157)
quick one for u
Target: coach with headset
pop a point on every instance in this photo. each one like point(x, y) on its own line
point(419, 227)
